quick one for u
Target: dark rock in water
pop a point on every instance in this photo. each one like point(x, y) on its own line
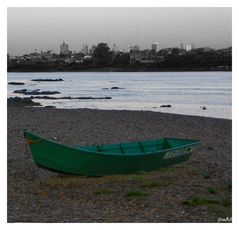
point(68, 98)
point(165, 106)
point(17, 101)
point(48, 97)
point(16, 83)
point(35, 92)
point(203, 108)
point(115, 87)
point(59, 79)
point(50, 106)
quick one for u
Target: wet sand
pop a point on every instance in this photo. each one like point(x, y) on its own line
point(198, 190)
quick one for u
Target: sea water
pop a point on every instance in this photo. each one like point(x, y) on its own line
point(186, 92)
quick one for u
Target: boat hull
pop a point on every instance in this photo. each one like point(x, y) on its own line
point(67, 159)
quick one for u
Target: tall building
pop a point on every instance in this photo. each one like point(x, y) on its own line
point(64, 48)
point(128, 48)
point(155, 47)
point(190, 47)
point(136, 48)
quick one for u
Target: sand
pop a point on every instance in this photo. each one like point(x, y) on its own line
point(39, 195)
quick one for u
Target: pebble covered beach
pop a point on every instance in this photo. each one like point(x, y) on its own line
point(198, 190)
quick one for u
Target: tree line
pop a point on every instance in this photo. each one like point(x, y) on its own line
point(106, 59)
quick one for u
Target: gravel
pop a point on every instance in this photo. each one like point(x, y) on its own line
point(39, 195)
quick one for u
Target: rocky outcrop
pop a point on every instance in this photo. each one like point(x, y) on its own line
point(17, 101)
point(16, 83)
point(165, 106)
point(35, 92)
point(41, 79)
point(68, 98)
point(116, 87)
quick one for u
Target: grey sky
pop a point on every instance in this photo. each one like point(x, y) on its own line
point(46, 28)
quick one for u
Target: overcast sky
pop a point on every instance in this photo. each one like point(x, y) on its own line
point(46, 28)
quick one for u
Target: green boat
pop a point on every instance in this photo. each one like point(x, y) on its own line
point(101, 160)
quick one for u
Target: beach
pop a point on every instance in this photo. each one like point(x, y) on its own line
point(198, 190)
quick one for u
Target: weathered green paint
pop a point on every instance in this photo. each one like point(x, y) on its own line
point(100, 160)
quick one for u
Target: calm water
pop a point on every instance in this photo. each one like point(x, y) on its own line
point(185, 91)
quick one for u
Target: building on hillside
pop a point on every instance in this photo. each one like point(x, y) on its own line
point(145, 56)
point(155, 47)
point(64, 48)
point(190, 47)
point(115, 48)
point(227, 52)
point(92, 49)
point(136, 48)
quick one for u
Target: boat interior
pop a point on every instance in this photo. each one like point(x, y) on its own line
point(148, 146)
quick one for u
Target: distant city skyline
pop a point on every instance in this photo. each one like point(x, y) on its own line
point(46, 28)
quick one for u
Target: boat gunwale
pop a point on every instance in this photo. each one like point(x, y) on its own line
point(99, 153)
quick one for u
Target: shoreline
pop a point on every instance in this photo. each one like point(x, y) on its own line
point(36, 195)
point(31, 103)
point(140, 111)
point(115, 71)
